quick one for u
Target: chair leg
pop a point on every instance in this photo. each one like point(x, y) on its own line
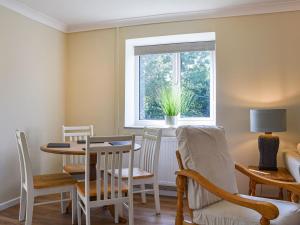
point(63, 204)
point(74, 204)
point(130, 210)
point(156, 198)
point(22, 210)
point(29, 208)
point(143, 193)
point(117, 207)
point(88, 215)
point(78, 212)
point(121, 210)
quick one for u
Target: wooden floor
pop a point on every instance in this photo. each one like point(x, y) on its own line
point(50, 214)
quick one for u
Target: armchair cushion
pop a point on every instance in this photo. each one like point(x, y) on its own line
point(226, 213)
point(204, 149)
point(292, 161)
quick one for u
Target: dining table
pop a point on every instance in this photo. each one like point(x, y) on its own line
point(78, 149)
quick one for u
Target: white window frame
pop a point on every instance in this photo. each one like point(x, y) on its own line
point(132, 80)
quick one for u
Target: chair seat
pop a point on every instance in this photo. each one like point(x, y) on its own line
point(53, 180)
point(137, 173)
point(226, 213)
point(93, 190)
point(74, 169)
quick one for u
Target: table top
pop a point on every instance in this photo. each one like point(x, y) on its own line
point(282, 174)
point(76, 149)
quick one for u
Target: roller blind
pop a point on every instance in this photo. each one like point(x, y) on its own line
point(175, 47)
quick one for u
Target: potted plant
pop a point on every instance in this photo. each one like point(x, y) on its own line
point(172, 102)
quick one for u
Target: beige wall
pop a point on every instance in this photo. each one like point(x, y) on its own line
point(91, 80)
point(32, 67)
point(257, 66)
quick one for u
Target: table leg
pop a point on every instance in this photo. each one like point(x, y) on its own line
point(289, 195)
point(250, 190)
point(280, 194)
point(252, 187)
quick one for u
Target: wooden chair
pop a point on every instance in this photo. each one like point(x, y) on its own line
point(228, 207)
point(74, 165)
point(33, 186)
point(147, 172)
point(106, 190)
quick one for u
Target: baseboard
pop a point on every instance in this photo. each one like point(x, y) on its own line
point(9, 203)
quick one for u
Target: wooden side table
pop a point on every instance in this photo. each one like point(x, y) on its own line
point(282, 174)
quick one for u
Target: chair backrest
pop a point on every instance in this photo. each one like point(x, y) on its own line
point(110, 160)
point(204, 149)
point(149, 154)
point(75, 133)
point(25, 163)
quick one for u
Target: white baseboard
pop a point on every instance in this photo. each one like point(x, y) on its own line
point(9, 203)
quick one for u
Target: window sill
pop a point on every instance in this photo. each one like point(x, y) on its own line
point(169, 131)
point(161, 124)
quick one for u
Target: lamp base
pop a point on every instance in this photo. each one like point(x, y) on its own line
point(268, 147)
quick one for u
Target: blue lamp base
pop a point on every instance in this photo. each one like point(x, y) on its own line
point(268, 148)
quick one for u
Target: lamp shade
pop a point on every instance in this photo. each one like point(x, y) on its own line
point(267, 120)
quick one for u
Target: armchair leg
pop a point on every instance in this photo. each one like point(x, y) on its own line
point(180, 192)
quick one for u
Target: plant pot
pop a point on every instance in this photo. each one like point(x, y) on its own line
point(171, 120)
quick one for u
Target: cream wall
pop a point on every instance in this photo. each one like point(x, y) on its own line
point(91, 80)
point(257, 66)
point(32, 68)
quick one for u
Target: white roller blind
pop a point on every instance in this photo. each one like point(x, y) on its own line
point(175, 47)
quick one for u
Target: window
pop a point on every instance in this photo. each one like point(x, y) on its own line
point(187, 64)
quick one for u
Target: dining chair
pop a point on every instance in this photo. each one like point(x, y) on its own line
point(106, 190)
point(40, 185)
point(72, 164)
point(147, 171)
point(207, 176)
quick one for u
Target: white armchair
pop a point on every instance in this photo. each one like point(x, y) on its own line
point(207, 176)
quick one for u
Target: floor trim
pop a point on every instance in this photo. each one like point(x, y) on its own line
point(9, 203)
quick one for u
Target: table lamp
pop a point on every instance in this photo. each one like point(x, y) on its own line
point(268, 121)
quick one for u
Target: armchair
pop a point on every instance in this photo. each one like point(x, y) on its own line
point(206, 174)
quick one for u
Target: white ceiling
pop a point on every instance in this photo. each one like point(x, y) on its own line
point(85, 14)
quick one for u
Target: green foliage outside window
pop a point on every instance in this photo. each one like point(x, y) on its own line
point(157, 73)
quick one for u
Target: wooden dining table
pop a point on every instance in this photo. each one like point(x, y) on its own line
point(79, 149)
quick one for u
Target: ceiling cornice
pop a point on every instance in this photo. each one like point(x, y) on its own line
point(240, 10)
point(33, 14)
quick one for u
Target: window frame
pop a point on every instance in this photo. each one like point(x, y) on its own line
point(132, 96)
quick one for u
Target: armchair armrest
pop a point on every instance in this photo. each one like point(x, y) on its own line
point(266, 209)
point(293, 187)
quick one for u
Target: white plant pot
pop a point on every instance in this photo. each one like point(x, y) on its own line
point(171, 120)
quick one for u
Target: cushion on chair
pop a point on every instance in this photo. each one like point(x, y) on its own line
point(292, 161)
point(204, 149)
point(226, 213)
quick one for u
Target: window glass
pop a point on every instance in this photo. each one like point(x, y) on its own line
point(188, 71)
